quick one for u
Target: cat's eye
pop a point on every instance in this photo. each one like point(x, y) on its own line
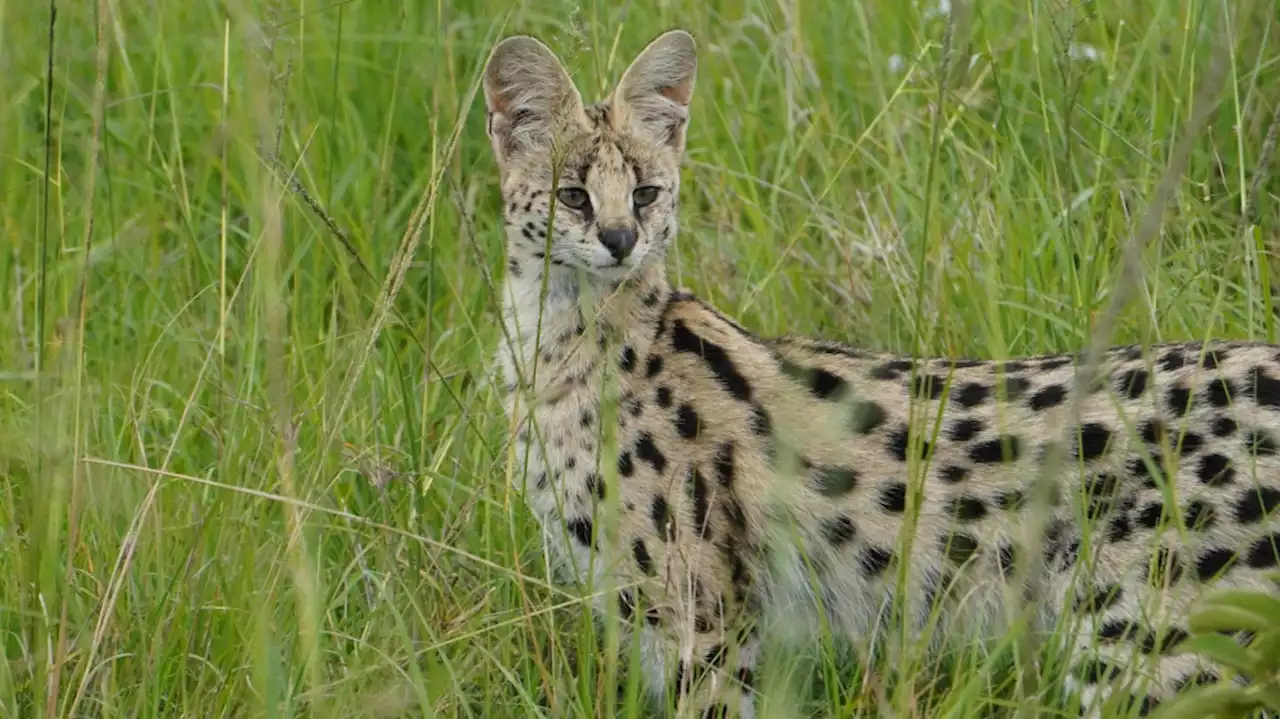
point(574, 197)
point(644, 196)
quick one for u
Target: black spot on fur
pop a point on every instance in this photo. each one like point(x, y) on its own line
point(725, 465)
point(1172, 360)
point(966, 508)
point(1010, 500)
point(958, 546)
point(835, 481)
point(1061, 547)
point(687, 422)
point(937, 586)
point(697, 488)
point(1099, 493)
point(1199, 678)
point(1214, 561)
point(738, 573)
point(647, 451)
point(1006, 448)
point(641, 553)
point(1215, 470)
point(628, 361)
point(586, 419)
point(928, 386)
point(891, 370)
point(893, 497)
point(653, 366)
point(1097, 598)
point(866, 416)
point(953, 474)
point(1152, 515)
point(1263, 388)
point(839, 530)
point(1133, 383)
point(1092, 443)
point(1264, 553)
point(1179, 400)
point(1260, 443)
point(1137, 467)
point(1253, 505)
point(595, 485)
point(824, 384)
point(701, 625)
point(966, 429)
point(900, 441)
point(1048, 397)
point(760, 422)
point(663, 397)
point(1095, 670)
point(1189, 444)
point(1120, 529)
point(733, 513)
point(626, 467)
point(718, 361)
point(626, 604)
point(1199, 515)
point(716, 656)
point(1220, 392)
point(1152, 431)
point(632, 404)
point(1223, 426)
point(971, 394)
point(1115, 630)
point(1006, 559)
point(582, 530)
point(875, 561)
point(1165, 569)
point(1014, 387)
point(1128, 353)
point(1162, 641)
point(1053, 363)
point(660, 513)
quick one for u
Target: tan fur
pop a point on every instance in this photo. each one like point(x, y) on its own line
point(786, 480)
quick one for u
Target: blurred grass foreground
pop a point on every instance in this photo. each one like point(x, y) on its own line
point(250, 460)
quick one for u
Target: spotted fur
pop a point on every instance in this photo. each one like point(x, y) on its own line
point(802, 479)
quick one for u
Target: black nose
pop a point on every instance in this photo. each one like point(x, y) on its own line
point(619, 241)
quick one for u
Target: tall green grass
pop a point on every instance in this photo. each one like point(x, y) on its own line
point(250, 460)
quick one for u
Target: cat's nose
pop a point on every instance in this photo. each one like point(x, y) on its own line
point(619, 241)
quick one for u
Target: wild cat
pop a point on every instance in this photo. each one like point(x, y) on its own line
point(759, 477)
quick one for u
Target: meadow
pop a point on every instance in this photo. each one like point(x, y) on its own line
point(251, 460)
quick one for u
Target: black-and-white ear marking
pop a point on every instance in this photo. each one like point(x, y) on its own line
point(529, 97)
point(652, 98)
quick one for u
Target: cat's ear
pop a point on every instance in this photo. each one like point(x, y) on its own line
point(652, 98)
point(529, 97)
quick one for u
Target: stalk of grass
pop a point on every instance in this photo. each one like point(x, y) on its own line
point(272, 296)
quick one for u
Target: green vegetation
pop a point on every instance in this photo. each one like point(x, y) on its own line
point(252, 465)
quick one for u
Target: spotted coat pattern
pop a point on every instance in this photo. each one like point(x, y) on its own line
point(715, 479)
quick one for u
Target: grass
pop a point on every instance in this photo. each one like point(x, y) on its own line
point(252, 465)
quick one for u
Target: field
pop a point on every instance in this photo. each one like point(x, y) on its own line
point(251, 463)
